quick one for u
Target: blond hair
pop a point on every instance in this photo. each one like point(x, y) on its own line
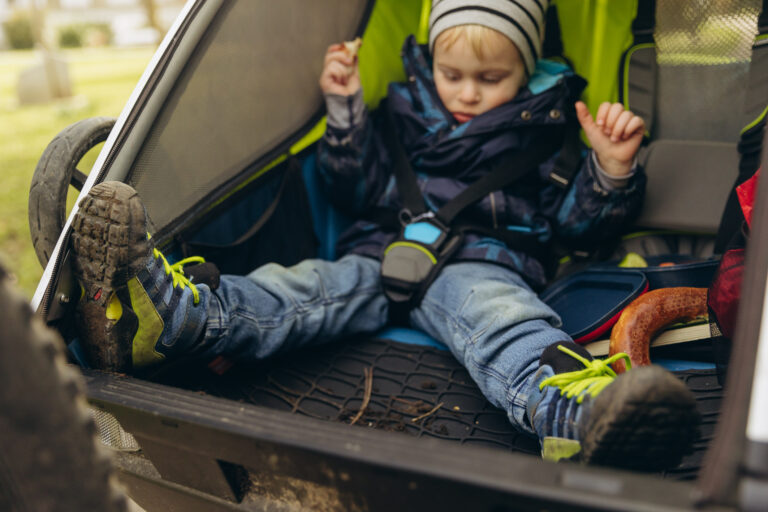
point(478, 37)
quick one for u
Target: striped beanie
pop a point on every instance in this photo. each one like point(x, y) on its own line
point(522, 21)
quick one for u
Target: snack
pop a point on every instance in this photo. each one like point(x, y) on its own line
point(648, 314)
point(352, 47)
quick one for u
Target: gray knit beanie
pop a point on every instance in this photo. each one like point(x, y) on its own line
point(522, 21)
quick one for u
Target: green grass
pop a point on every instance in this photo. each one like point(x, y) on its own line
point(102, 81)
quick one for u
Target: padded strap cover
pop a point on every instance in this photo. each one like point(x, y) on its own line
point(688, 184)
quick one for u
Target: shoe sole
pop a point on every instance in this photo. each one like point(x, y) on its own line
point(645, 420)
point(110, 246)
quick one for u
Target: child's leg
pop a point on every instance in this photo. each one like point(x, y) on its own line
point(495, 326)
point(137, 310)
point(275, 309)
point(643, 419)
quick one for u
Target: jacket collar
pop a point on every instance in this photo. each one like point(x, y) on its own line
point(553, 86)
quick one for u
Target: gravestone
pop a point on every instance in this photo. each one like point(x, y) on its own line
point(46, 81)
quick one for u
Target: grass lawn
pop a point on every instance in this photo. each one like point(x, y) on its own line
point(102, 81)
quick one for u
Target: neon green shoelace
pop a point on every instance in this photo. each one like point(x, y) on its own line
point(595, 376)
point(177, 271)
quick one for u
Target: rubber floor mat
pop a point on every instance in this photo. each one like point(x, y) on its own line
point(418, 390)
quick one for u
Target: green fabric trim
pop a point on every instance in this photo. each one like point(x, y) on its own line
point(251, 178)
point(595, 33)
point(633, 260)
point(422, 36)
point(557, 448)
point(626, 69)
point(307, 140)
point(755, 122)
point(660, 232)
point(380, 62)
point(150, 326)
point(412, 246)
point(313, 135)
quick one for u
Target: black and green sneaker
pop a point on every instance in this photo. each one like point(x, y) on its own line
point(644, 419)
point(135, 308)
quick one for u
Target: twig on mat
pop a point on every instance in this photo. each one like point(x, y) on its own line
point(432, 411)
point(368, 372)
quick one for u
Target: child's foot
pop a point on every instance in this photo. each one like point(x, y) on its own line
point(644, 419)
point(135, 308)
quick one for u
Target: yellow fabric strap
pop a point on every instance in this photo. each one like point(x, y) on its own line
point(150, 326)
point(557, 448)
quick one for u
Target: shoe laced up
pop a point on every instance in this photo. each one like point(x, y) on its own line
point(177, 272)
point(596, 375)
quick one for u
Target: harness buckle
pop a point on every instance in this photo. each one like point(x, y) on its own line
point(413, 260)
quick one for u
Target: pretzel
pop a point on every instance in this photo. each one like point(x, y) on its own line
point(647, 315)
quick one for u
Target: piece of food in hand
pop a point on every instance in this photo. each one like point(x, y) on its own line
point(352, 47)
point(647, 315)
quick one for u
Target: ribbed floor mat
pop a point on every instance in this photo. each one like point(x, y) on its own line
point(419, 390)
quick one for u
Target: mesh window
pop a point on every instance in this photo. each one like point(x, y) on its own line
point(249, 85)
point(111, 433)
point(704, 49)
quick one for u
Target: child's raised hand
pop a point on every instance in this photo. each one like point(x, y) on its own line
point(615, 135)
point(340, 74)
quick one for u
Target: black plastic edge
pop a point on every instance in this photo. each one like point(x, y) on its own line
point(281, 443)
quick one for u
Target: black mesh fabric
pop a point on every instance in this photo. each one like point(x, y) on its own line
point(416, 390)
point(704, 49)
point(251, 82)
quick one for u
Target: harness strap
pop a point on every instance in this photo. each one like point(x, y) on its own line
point(521, 241)
point(426, 244)
point(567, 162)
point(506, 171)
point(552, 45)
point(644, 22)
point(405, 178)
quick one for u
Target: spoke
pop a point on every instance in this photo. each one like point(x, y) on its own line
point(78, 179)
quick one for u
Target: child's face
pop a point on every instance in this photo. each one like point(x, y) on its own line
point(469, 84)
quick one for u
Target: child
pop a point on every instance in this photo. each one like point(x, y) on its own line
point(476, 94)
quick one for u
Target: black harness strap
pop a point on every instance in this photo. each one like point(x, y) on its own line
point(507, 170)
point(567, 162)
point(407, 271)
point(645, 22)
point(405, 178)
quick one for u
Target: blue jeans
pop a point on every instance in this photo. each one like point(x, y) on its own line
point(488, 317)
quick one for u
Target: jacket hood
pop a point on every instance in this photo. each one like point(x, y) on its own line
point(436, 142)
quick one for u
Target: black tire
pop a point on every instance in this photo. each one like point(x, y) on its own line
point(50, 459)
point(55, 172)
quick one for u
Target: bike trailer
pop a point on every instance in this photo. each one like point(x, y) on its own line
point(218, 139)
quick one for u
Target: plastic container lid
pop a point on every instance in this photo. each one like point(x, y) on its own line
point(590, 302)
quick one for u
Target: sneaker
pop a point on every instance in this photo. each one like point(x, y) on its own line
point(135, 308)
point(644, 419)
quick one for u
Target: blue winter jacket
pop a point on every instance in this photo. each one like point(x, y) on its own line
point(356, 167)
